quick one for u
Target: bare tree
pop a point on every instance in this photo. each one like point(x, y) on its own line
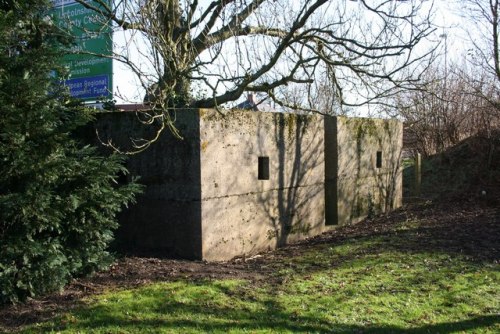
point(361, 48)
point(484, 15)
point(260, 45)
point(484, 36)
point(447, 109)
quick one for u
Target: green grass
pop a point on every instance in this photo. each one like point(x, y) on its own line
point(373, 284)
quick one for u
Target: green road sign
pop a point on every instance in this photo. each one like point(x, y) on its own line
point(89, 62)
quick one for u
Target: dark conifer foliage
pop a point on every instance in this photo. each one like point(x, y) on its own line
point(58, 197)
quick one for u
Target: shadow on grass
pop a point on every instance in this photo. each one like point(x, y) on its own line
point(228, 310)
point(470, 234)
point(442, 328)
point(178, 317)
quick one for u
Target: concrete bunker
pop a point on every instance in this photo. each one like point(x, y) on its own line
point(242, 182)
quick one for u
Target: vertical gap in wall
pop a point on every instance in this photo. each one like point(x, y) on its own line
point(331, 154)
point(379, 159)
point(263, 168)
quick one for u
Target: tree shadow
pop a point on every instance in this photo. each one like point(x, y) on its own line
point(368, 168)
point(424, 231)
point(470, 234)
point(255, 315)
point(293, 206)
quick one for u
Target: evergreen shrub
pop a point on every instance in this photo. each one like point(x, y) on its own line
point(58, 197)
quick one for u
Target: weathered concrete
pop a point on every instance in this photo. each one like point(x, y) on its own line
point(204, 199)
point(356, 187)
point(242, 214)
point(166, 218)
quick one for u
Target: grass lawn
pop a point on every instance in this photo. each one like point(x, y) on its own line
point(416, 275)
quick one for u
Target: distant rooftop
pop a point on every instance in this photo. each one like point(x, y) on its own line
point(249, 104)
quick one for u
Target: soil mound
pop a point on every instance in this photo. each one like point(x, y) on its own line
point(469, 169)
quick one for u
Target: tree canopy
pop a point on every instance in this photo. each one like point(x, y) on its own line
point(207, 53)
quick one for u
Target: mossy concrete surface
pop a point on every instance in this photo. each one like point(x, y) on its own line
point(242, 214)
point(205, 197)
point(364, 172)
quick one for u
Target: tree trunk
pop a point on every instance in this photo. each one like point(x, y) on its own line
point(173, 87)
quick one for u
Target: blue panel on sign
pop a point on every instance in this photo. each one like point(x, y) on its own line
point(95, 87)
